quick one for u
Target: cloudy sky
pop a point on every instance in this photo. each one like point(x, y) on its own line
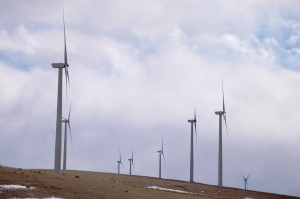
point(138, 68)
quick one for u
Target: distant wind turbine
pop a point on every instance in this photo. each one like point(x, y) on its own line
point(245, 179)
point(220, 166)
point(193, 125)
point(130, 162)
point(67, 124)
point(60, 66)
point(119, 162)
point(161, 152)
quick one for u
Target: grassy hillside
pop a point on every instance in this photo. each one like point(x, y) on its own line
point(84, 184)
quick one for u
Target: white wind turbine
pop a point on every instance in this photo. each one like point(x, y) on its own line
point(119, 162)
point(67, 124)
point(245, 179)
point(60, 66)
point(220, 165)
point(161, 152)
point(193, 124)
point(130, 162)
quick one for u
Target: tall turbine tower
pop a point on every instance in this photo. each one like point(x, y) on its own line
point(67, 124)
point(119, 162)
point(193, 124)
point(245, 179)
point(161, 152)
point(220, 166)
point(60, 66)
point(130, 162)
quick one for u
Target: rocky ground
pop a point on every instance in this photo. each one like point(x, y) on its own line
point(84, 184)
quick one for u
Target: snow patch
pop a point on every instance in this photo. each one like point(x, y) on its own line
point(37, 198)
point(13, 186)
point(167, 189)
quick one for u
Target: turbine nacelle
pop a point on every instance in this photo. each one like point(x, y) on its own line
point(192, 120)
point(219, 112)
point(59, 65)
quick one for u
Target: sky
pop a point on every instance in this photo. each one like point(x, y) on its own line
point(138, 69)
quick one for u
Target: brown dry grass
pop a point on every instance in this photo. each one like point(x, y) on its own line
point(84, 184)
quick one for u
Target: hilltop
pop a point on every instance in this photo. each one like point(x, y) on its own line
point(85, 184)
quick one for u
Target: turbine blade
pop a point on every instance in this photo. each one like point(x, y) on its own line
point(195, 113)
point(65, 51)
point(164, 158)
point(66, 84)
point(70, 133)
point(243, 176)
point(69, 113)
point(248, 175)
point(67, 81)
point(224, 111)
point(67, 77)
point(162, 144)
point(224, 116)
point(162, 149)
point(196, 136)
point(122, 164)
point(132, 154)
point(195, 126)
point(65, 43)
point(195, 118)
point(119, 154)
point(132, 167)
point(69, 125)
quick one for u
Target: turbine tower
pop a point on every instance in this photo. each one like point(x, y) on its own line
point(119, 162)
point(220, 166)
point(245, 179)
point(60, 66)
point(193, 125)
point(130, 162)
point(67, 124)
point(161, 152)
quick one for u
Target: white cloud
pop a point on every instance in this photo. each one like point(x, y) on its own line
point(20, 40)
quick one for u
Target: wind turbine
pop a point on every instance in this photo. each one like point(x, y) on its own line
point(220, 166)
point(119, 162)
point(161, 152)
point(193, 125)
point(130, 162)
point(245, 179)
point(67, 124)
point(60, 66)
